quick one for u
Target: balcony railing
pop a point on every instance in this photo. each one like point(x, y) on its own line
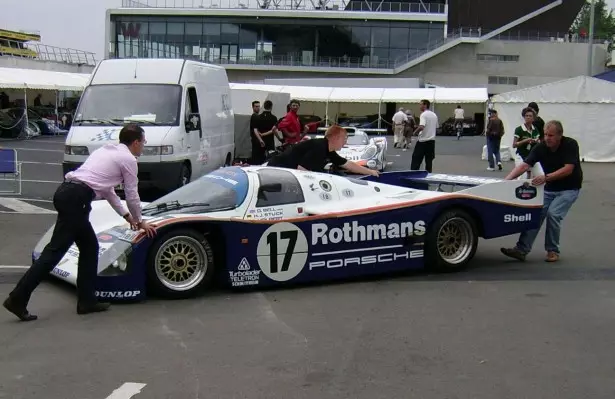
point(301, 5)
point(44, 52)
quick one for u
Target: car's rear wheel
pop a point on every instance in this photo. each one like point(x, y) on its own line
point(181, 264)
point(451, 241)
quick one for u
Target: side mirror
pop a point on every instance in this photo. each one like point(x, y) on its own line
point(193, 122)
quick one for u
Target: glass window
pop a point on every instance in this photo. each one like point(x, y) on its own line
point(357, 139)
point(192, 40)
point(229, 34)
point(399, 37)
point(419, 38)
point(361, 35)
point(278, 187)
point(380, 37)
point(157, 104)
point(248, 42)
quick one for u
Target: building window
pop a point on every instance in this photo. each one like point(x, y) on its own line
point(497, 57)
point(503, 80)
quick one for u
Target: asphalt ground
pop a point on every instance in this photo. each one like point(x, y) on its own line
point(502, 329)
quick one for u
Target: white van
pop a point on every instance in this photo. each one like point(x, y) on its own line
point(183, 106)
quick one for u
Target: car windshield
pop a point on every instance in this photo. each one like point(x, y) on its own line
point(358, 139)
point(223, 189)
point(119, 103)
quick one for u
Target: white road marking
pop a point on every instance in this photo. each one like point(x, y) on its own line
point(13, 267)
point(41, 163)
point(126, 391)
point(34, 200)
point(34, 181)
point(19, 206)
point(33, 149)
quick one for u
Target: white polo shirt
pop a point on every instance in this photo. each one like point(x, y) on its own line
point(429, 120)
point(458, 113)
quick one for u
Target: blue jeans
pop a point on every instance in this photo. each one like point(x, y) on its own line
point(493, 150)
point(556, 206)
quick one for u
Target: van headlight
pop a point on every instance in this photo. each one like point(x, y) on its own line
point(76, 150)
point(157, 150)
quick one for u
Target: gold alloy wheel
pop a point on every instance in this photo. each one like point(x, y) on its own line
point(181, 263)
point(455, 240)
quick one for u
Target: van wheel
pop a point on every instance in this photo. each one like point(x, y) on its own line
point(180, 264)
point(184, 175)
point(451, 241)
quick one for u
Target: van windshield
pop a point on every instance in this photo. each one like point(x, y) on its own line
point(121, 103)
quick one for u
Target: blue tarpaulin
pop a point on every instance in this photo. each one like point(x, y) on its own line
point(608, 75)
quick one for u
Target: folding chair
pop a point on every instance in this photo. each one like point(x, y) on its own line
point(10, 169)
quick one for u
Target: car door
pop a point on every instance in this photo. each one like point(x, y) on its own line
point(279, 196)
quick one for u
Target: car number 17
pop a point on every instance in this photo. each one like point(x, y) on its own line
point(282, 251)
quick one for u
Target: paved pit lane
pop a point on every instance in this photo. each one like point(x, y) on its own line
point(502, 329)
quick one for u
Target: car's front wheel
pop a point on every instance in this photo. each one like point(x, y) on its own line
point(451, 241)
point(181, 264)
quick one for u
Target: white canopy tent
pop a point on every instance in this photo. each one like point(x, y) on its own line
point(368, 95)
point(15, 78)
point(585, 106)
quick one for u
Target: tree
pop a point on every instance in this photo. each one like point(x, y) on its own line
point(604, 21)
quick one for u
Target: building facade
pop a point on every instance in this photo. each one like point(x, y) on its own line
point(427, 40)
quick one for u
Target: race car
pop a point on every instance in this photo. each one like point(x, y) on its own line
point(259, 226)
point(364, 150)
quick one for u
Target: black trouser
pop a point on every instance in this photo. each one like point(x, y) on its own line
point(426, 150)
point(258, 153)
point(73, 201)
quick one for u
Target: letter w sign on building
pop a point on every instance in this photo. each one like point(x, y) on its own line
point(130, 30)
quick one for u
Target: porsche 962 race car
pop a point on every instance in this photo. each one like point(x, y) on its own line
point(364, 150)
point(262, 226)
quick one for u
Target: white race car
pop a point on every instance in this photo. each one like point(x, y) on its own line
point(364, 150)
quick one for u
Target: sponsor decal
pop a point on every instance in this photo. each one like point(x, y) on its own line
point(59, 272)
point(74, 251)
point(367, 259)
point(245, 275)
point(325, 196)
point(117, 294)
point(348, 193)
point(526, 192)
point(105, 237)
point(126, 233)
point(226, 179)
point(106, 135)
point(518, 218)
point(309, 177)
point(282, 251)
point(325, 185)
point(356, 232)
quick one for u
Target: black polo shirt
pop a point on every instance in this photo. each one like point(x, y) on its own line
point(311, 154)
point(253, 125)
point(551, 161)
point(266, 121)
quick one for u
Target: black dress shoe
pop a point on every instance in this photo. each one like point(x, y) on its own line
point(18, 310)
point(93, 308)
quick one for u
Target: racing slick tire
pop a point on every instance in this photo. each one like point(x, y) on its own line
point(180, 264)
point(451, 241)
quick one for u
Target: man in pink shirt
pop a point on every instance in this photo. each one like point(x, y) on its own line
point(97, 178)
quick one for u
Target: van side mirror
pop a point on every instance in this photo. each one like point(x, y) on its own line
point(193, 122)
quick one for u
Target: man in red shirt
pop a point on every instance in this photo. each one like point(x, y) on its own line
point(290, 126)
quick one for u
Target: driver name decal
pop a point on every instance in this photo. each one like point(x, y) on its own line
point(322, 234)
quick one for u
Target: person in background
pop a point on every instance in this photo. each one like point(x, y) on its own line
point(409, 127)
point(37, 100)
point(539, 123)
point(266, 127)
point(494, 132)
point(4, 100)
point(398, 127)
point(258, 145)
point(315, 154)
point(526, 136)
point(458, 114)
point(425, 147)
point(103, 170)
point(563, 179)
point(291, 126)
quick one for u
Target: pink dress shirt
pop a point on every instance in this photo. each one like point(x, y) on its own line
point(106, 168)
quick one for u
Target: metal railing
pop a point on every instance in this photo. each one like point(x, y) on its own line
point(44, 52)
point(302, 5)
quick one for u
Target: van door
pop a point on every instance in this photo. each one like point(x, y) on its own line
point(194, 143)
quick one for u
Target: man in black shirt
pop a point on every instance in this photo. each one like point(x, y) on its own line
point(315, 154)
point(258, 145)
point(539, 123)
point(266, 126)
point(563, 178)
